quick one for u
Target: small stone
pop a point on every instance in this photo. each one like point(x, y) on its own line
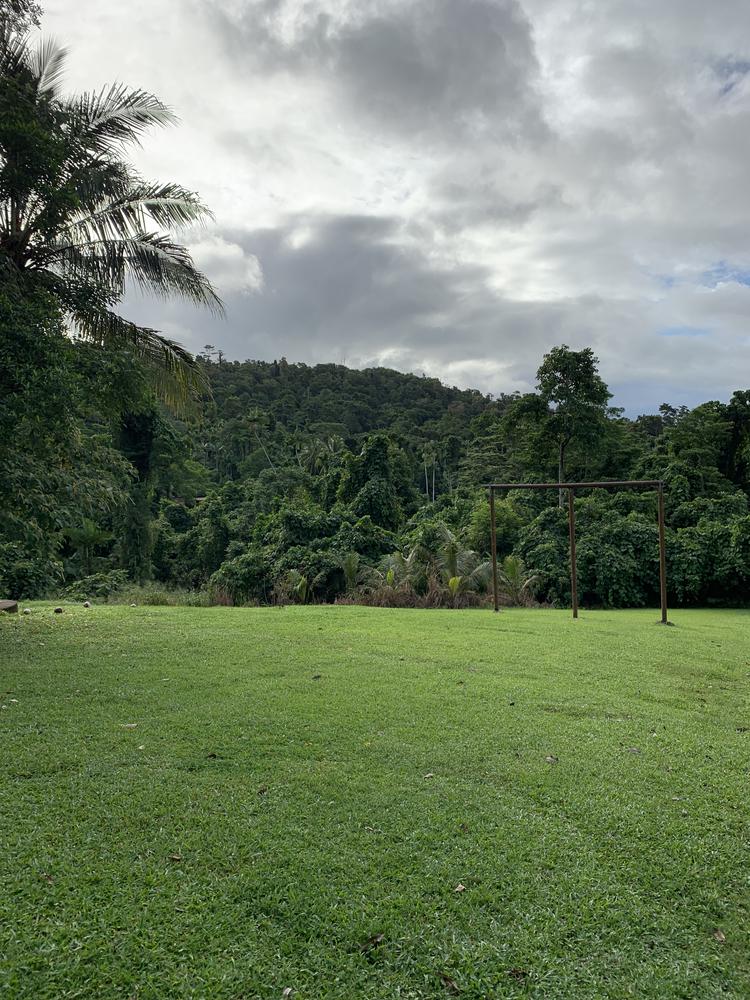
point(58, 611)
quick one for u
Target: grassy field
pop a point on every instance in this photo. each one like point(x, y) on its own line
point(360, 803)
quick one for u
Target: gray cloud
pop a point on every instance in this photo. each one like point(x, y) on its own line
point(455, 185)
point(410, 67)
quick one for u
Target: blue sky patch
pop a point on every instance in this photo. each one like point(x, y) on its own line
point(723, 272)
point(684, 331)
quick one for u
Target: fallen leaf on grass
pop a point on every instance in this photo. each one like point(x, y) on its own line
point(128, 725)
point(372, 942)
point(449, 983)
point(632, 750)
point(175, 857)
point(460, 887)
point(551, 759)
point(211, 756)
point(518, 974)
point(286, 992)
point(47, 877)
point(428, 775)
point(719, 935)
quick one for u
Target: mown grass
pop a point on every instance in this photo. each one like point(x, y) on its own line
point(226, 803)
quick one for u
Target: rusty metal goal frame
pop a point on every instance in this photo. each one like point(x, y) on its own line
point(628, 484)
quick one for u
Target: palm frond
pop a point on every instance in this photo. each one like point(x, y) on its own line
point(151, 260)
point(47, 64)
point(129, 213)
point(178, 379)
point(118, 114)
point(14, 52)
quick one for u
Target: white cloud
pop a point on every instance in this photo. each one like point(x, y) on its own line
point(228, 266)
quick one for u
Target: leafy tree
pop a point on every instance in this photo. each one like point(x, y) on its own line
point(86, 538)
point(54, 467)
point(78, 222)
point(571, 406)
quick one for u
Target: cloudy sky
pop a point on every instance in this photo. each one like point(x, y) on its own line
point(454, 186)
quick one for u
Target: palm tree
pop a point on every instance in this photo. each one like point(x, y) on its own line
point(77, 222)
point(514, 580)
point(350, 565)
point(462, 568)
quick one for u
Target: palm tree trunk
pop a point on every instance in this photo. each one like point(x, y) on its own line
point(264, 451)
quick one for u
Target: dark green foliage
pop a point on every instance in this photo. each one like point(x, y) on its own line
point(543, 546)
point(98, 585)
point(376, 482)
point(55, 467)
point(245, 578)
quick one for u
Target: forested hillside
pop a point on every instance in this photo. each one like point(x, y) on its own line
point(323, 483)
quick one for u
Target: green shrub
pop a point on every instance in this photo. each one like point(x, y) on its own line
point(98, 585)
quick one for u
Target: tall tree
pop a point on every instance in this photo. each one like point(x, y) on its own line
point(576, 398)
point(76, 219)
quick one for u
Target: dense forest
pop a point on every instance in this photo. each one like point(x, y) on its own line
point(298, 483)
point(130, 468)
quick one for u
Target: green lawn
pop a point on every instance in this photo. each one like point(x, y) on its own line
point(226, 803)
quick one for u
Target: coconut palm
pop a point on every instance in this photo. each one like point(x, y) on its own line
point(351, 567)
point(514, 581)
point(78, 222)
point(462, 568)
point(403, 570)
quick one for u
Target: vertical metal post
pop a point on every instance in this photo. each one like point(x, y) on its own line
point(493, 547)
point(573, 570)
point(662, 557)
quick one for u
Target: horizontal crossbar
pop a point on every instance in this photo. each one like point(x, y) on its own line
point(652, 484)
